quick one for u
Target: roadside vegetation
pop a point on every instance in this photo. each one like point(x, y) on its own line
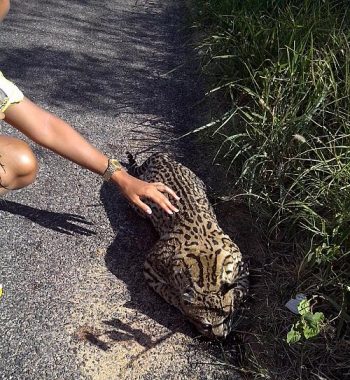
point(278, 76)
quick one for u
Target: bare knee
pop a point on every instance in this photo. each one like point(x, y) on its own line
point(19, 166)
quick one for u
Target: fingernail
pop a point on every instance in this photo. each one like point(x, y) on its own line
point(177, 198)
point(176, 210)
point(149, 211)
point(170, 212)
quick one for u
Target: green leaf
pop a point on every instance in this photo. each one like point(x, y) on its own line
point(313, 319)
point(293, 336)
point(318, 317)
point(310, 332)
point(304, 307)
point(308, 319)
point(312, 324)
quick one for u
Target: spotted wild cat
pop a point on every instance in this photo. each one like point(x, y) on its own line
point(194, 266)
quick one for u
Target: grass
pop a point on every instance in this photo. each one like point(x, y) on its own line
point(280, 72)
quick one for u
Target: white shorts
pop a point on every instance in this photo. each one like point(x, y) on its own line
point(9, 93)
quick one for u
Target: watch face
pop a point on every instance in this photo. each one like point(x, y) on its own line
point(115, 163)
point(113, 166)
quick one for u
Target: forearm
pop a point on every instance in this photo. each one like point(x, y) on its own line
point(62, 139)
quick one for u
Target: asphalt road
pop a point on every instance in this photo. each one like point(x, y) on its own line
point(75, 303)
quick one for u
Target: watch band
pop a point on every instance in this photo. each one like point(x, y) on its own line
point(113, 166)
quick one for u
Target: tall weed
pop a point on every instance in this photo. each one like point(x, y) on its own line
point(282, 71)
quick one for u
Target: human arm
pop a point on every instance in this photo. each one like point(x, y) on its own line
point(53, 133)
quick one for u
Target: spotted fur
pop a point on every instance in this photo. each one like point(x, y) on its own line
point(194, 266)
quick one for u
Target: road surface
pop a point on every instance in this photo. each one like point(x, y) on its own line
point(76, 305)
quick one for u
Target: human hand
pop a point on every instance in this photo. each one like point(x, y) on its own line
point(136, 190)
point(2, 115)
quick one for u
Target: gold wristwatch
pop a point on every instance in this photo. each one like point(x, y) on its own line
point(113, 166)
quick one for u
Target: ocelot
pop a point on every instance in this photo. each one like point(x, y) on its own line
point(194, 266)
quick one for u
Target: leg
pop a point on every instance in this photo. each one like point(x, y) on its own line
point(18, 164)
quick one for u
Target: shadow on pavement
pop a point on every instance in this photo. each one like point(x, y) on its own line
point(125, 332)
point(61, 222)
